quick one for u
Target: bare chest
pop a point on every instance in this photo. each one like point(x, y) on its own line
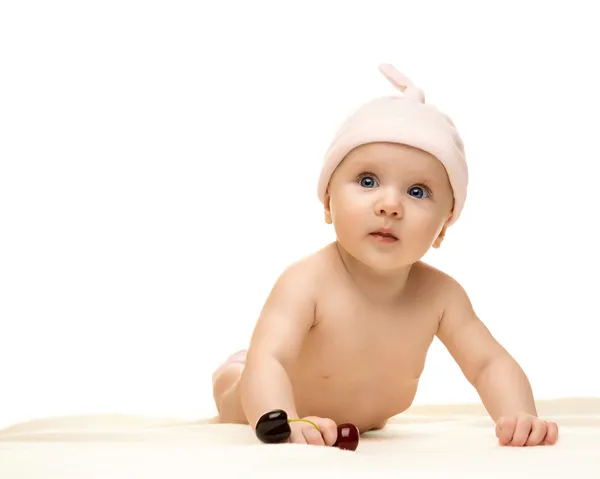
point(362, 364)
point(355, 345)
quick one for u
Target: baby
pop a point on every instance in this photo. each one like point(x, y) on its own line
point(344, 332)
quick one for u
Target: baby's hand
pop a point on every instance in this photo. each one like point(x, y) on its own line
point(306, 433)
point(526, 430)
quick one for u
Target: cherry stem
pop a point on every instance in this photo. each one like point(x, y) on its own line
point(305, 420)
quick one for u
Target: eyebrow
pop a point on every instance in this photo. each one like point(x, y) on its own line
point(371, 165)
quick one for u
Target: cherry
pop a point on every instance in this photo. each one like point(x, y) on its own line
point(347, 437)
point(273, 427)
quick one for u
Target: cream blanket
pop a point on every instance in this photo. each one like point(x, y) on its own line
point(441, 441)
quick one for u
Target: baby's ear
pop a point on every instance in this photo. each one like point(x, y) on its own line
point(327, 208)
point(438, 241)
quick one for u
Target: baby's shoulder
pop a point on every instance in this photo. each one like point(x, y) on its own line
point(435, 282)
point(426, 275)
point(307, 271)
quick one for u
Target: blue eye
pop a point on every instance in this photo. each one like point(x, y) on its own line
point(418, 191)
point(367, 181)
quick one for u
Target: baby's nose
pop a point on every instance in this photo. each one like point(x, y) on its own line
point(389, 207)
point(393, 212)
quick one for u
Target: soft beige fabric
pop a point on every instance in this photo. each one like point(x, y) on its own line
point(442, 441)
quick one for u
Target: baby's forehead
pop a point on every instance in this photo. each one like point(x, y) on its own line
point(395, 158)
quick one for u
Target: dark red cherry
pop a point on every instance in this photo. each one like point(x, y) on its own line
point(347, 437)
point(273, 427)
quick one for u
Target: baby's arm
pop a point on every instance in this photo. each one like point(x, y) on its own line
point(286, 318)
point(499, 380)
point(501, 383)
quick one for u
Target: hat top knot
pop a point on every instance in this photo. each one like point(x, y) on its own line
point(410, 91)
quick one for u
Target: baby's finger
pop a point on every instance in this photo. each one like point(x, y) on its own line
point(499, 427)
point(506, 431)
point(328, 430)
point(537, 434)
point(312, 436)
point(297, 437)
point(551, 434)
point(521, 432)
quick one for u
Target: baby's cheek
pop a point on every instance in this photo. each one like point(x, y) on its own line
point(346, 216)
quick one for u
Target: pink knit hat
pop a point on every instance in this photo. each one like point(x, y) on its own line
point(407, 120)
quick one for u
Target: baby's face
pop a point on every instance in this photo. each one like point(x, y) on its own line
point(396, 187)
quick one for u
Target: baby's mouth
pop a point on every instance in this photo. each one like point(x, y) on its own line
point(383, 235)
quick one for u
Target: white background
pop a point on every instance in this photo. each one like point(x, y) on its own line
point(158, 167)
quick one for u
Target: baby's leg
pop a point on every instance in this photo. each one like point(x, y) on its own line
point(225, 391)
point(379, 426)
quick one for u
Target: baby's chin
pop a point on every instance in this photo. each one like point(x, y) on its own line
point(388, 267)
point(382, 260)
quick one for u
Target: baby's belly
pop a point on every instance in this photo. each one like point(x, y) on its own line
point(359, 375)
point(365, 401)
